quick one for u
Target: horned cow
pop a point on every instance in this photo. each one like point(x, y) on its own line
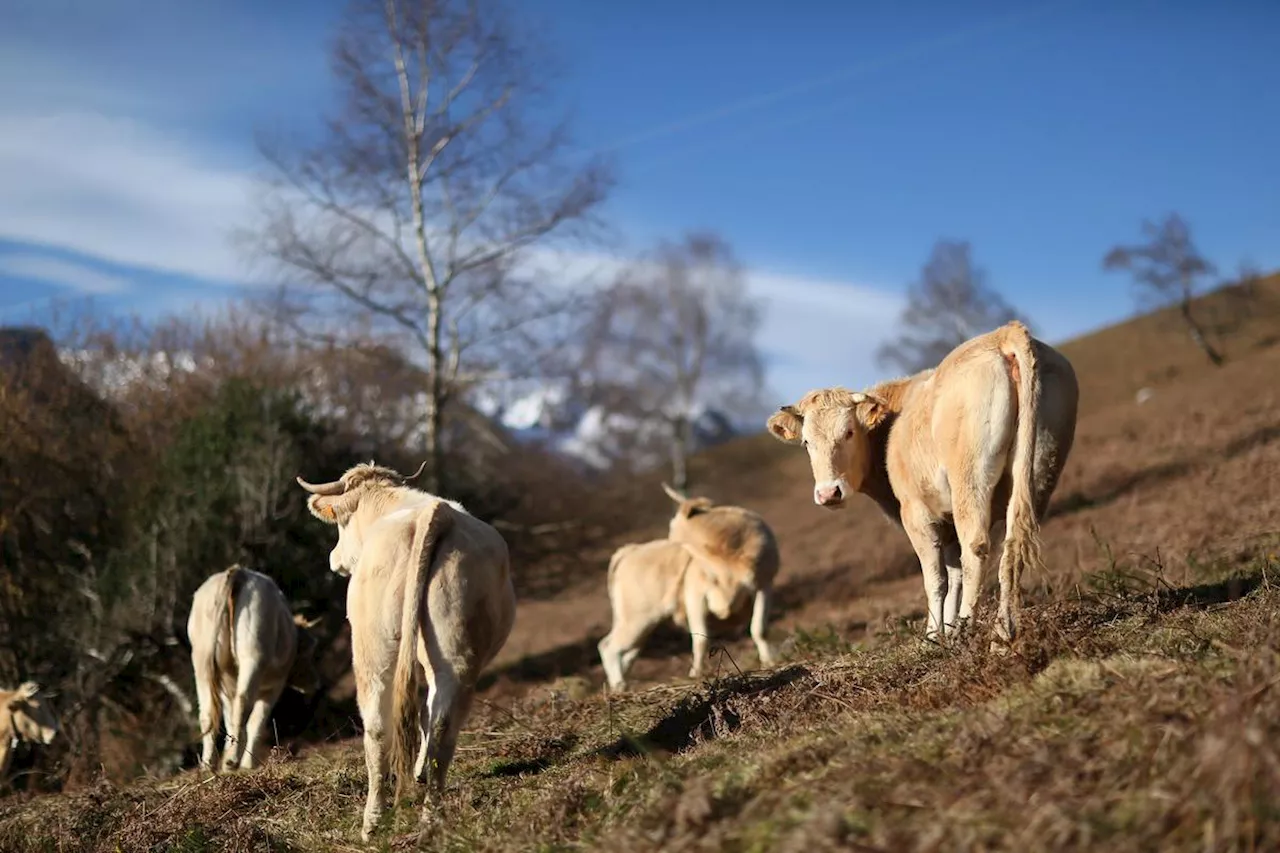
point(430, 597)
point(25, 715)
point(246, 647)
point(964, 456)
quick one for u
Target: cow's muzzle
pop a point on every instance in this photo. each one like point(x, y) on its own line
point(830, 494)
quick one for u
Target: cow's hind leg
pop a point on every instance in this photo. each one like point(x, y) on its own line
point(238, 710)
point(256, 733)
point(695, 608)
point(424, 733)
point(621, 646)
point(972, 513)
point(208, 723)
point(444, 694)
point(759, 614)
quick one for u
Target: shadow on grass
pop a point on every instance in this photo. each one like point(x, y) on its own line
point(701, 716)
point(551, 751)
point(1202, 596)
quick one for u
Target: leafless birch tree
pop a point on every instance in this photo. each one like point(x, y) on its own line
point(418, 201)
point(675, 333)
point(948, 305)
point(1167, 270)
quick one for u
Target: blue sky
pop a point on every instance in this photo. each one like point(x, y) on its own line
point(831, 142)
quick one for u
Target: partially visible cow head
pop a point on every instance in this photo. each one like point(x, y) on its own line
point(832, 424)
point(337, 502)
point(30, 716)
point(304, 676)
point(686, 508)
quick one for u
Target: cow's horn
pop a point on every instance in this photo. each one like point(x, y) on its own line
point(337, 487)
point(416, 474)
point(673, 494)
point(857, 396)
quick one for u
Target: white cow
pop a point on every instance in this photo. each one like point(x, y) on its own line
point(246, 647)
point(430, 597)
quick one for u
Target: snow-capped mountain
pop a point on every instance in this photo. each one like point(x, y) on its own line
point(548, 413)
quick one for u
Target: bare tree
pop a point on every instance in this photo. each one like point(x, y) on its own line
point(418, 202)
point(950, 304)
point(1167, 270)
point(673, 335)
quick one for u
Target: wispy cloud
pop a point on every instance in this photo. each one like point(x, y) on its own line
point(116, 189)
point(62, 273)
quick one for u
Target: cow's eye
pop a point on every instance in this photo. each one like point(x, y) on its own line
point(848, 434)
point(804, 442)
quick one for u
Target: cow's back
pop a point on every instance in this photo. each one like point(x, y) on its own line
point(264, 626)
point(647, 576)
point(975, 374)
point(265, 635)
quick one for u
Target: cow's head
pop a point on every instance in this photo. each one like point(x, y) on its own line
point(337, 502)
point(304, 676)
point(686, 508)
point(832, 424)
point(30, 716)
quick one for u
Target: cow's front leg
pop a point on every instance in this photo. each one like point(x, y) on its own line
point(955, 585)
point(375, 712)
point(919, 526)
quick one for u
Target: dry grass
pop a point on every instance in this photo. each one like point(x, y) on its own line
point(1132, 715)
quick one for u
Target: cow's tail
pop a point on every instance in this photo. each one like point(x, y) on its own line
point(225, 611)
point(405, 704)
point(1022, 527)
point(614, 562)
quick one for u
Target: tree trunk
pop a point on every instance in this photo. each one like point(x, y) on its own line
point(435, 395)
point(1197, 335)
point(681, 440)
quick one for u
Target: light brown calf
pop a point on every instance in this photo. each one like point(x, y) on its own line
point(24, 716)
point(965, 456)
point(738, 553)
point(717, 561)
point(430, 598)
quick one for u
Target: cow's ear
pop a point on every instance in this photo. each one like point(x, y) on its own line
point(333, 509)
point(694, 506)
point(869, 409)
point(786, 424)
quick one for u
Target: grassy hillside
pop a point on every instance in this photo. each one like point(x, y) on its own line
point(1136, 712)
